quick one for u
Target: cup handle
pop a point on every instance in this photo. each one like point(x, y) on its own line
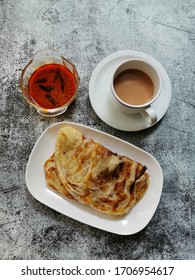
point(150, 115)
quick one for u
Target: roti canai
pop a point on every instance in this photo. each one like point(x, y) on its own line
point(91, 174)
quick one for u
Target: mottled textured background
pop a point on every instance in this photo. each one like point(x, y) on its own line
point(86, 31)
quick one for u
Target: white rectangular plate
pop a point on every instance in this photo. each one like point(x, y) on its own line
point(131, 223)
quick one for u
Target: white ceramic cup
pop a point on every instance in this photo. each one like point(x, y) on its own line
point(145, 109)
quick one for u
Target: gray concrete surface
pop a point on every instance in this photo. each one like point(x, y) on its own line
point(87, 31)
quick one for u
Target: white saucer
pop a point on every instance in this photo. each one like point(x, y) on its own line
point(99, 90)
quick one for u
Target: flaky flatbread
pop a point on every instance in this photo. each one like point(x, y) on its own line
point(95, 176)
point(52, 178)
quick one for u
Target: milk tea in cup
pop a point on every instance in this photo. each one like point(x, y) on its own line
point(135, 85)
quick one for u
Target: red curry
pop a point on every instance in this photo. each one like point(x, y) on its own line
point(52, 86)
